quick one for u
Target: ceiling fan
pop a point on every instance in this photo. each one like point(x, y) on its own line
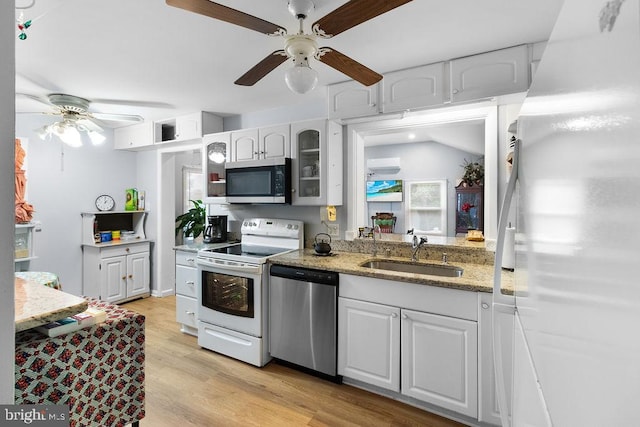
point(76, 118)
point(300, 47)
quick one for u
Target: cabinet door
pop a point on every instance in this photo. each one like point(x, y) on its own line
point(137, 274)
point(352, 99)
point(113, 278)
point(189, 126)
point(244, 145)
point(186, 279)
point(134, 136)
point(490, 74)
point(216, 152)
point(413, 88)
point(440, 361)
point(274, 142)
point(369, 343)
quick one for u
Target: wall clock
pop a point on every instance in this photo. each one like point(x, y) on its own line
point(105, 202)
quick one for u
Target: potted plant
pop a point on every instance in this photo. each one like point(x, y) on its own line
point(473, 173)
point(192, 222)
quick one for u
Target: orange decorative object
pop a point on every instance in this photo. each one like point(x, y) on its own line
point(24, 211)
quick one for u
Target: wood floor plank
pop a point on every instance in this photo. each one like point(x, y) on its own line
point(187, 385)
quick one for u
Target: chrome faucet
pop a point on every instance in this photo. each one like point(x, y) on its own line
point(375, 246)
point(416, 245)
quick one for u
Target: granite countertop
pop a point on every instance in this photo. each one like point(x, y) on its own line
point(476, 277)
point(37, 304)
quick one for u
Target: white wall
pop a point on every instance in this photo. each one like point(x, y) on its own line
point(421, 161)
point(63, 182)
point(7, 213)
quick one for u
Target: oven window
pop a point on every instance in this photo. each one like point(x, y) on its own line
point(228, 294)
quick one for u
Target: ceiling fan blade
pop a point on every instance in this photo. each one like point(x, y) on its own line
point(348, 66)
point(89, 125)
point(227, 14)
point(262, 68)
point(353, 13)
point(117, 117)
point(35, 98)
point(128, 103)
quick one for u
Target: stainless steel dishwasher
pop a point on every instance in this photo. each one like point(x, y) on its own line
point(303, 318)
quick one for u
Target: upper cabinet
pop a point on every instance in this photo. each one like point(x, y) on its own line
point(420, 86)
point(316, 147)
point(186, 127)
point(460, 80)
point(263, 143)
point(134, 136)
point(216, 153)
point(352, 99)
point(490, 74)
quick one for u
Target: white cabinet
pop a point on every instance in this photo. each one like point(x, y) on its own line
point(369, 343)
point(186, 127)
point(117, 270)
point(216, 152)
point(439, 360)
point(133, 137)
point(412, 88)
point(116, 273)
point(352, 99)
point(23, 246)
point(316, 147)
point(186, 288)
point(418, 341)
point(263, 143)
point(490, 74)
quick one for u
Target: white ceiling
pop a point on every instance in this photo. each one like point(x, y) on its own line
point(143, 51)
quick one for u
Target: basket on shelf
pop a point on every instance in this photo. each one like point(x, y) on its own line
point(386, 221)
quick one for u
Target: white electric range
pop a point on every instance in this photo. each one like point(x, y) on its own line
point(233, 291)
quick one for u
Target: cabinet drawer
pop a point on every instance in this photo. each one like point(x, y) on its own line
point(186, 280)
point(121, 250)
point(186, 258)
point(187, 311)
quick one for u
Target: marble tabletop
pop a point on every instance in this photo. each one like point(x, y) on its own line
point(37, 304)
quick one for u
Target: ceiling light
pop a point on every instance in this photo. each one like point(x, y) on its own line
point(96, 137)
point(411, 136)
point(69, 135)
point(301, 78)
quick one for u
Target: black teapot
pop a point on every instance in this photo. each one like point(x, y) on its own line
point(322, 247)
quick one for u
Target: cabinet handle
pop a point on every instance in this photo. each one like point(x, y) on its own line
point(176, 136)
point(485, 305)
point(404, 316)
point(191, 259)
point(131, 276)
point(293, 190)
point(127, 250)
point(394, 315)
point(190, 313)
point(190, 282)
point(455, 91)
point(124, 277)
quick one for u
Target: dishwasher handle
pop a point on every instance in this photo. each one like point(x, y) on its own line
point(305, 275)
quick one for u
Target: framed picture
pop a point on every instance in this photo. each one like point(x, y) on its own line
point(384, 191)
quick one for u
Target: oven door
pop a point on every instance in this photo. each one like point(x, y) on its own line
point(230, 295)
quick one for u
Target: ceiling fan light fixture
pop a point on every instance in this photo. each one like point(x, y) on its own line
point(301, 78)
point(96, 137)
point(70, 136)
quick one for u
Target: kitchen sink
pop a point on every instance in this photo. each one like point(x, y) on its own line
point(416, 268)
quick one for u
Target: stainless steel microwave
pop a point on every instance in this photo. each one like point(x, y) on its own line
point(259, 181)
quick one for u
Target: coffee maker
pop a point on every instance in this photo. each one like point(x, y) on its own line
point(216, 231)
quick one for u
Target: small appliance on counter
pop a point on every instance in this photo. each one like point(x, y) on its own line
point(216, 230)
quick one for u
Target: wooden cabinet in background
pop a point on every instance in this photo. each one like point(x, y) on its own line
point(469, 207)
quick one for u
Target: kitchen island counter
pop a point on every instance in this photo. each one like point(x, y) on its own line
point(37, 304)
point(475, 278)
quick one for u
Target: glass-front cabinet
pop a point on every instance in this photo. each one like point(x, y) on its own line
point(317, 168)
point(216, 153)
point(469, 207)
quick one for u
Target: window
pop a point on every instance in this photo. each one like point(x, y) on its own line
point(426, 207)
point(192, 183)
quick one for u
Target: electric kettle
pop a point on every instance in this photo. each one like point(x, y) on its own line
point(216, 230)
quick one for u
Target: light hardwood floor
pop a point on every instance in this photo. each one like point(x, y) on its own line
point(190, 386)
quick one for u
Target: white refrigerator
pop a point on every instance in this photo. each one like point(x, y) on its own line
point(567, 335)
